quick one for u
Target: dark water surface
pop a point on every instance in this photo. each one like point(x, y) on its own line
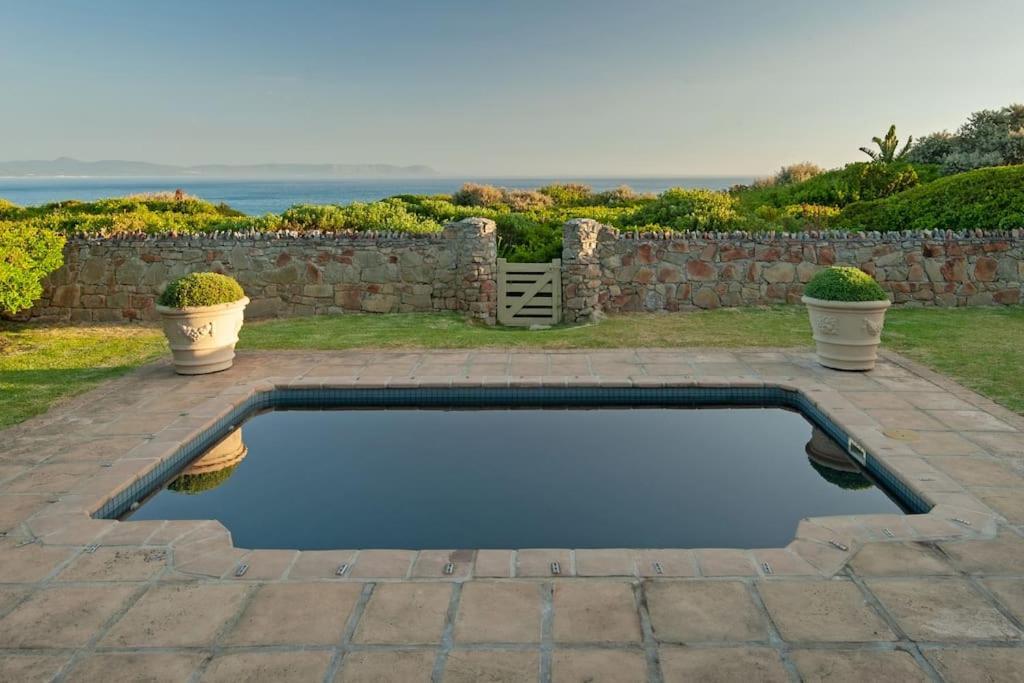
point(256, 197)
point(524, 478)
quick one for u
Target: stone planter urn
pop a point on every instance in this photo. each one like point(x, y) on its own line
point(847, 317)
point(202, 337)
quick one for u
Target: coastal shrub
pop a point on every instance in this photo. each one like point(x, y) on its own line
point(488, 196)
point(787, 175)
point(984, 198)
point(990, 137)
point(569, 194)
point(472, 194)
point(525, 240)
point(842, 283)
point(685, 209)
point(854, 182)
point(28, 254)
point(525, 200)
point(385, 215)
point(201, 289)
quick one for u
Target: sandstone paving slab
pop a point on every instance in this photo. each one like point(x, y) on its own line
point(30, 562)
point(382, 564)
point(604, 562)
point(721, 665)
point(414, 666)
point(31, 668)
point(11, 596)
point(725, 562)
point(899, 559)
point(970, 420)
point(494, 563)
point(295, 614)
point(1008, 502)
point(978, 471)
point(177, 615)
point(780, 562)
point(855, 666)
point(1003, 554)
point(598, 666)
point(498, 612)
point(666, 562)
point(267, 667)
point(998, 443)
point(131, 533)
point(65, 616)
point(472, 666)
point(978, 664)
point(942, 609)
point(450, 564)
point(116, 564)
point(405, 613)
point(157, 667)
point(538, 562)
point(321, 564)
point(695, 611)
point(1010, 593)
point(833, 610)
point(595, 612)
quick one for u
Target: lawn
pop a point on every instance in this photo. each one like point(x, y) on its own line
point(979, 347)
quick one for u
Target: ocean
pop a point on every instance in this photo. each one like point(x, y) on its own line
point(273, 196)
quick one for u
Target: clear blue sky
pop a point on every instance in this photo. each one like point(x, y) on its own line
point(478, 87)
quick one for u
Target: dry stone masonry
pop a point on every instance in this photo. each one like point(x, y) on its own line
point(603, 270)
point(284, 273)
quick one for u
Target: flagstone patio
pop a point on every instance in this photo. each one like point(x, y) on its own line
point(938, 596)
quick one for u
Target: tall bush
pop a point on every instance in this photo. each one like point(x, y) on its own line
point(27, 254)
point(685, 209)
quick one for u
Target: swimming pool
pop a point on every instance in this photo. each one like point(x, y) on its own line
point(446, 469)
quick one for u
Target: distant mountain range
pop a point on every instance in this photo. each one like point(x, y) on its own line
point(65, 166)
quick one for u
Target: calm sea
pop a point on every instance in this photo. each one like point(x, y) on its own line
point(262, 196)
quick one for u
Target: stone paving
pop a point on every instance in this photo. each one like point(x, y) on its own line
point(886, 597)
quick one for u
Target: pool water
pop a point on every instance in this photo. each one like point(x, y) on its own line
point(519, 478)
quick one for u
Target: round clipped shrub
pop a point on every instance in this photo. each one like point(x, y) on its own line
point(193, 484)
point(841, 283)
point(201, 289)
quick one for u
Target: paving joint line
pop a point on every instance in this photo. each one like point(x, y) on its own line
point(547, 628)
point(342, 649)
point(447, 634)
point(648, 640)
point(901, 635)
point(775, 639)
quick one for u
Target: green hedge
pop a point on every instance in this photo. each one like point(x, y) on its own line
point(854, 182)
point(28, 253)
point(988, 198)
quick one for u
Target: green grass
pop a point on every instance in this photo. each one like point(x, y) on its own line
point(979, 347)
point(42, 364)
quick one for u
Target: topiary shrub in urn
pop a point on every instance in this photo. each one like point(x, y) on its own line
point(847, 309)
point(202, 314)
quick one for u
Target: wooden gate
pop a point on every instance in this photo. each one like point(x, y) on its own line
point(529, 293)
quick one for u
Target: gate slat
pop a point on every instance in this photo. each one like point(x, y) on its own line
point(529, 293)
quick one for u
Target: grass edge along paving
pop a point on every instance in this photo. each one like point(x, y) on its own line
point(978, 347)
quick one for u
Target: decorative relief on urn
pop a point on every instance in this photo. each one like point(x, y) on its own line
point(196, 333)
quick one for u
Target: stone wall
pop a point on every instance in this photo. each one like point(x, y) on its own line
point(282, 273)
point(605, 270)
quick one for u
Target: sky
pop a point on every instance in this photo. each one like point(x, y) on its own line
point(498, 88)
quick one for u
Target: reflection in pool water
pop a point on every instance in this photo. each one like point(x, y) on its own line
point(833, 464)
point(213, 468)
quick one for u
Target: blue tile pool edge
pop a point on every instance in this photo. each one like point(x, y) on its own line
point(479, 397)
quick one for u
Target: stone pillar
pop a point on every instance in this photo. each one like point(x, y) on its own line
point(581, 268)
point(475, 241)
